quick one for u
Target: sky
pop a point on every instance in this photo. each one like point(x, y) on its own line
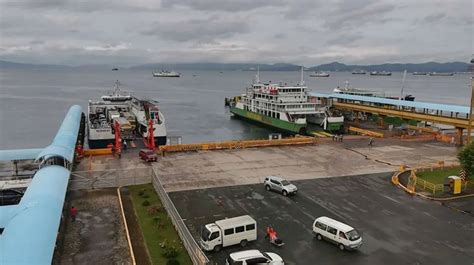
point(304, 32)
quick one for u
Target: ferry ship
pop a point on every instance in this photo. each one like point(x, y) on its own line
point(164, 73)
point(358, 72)
point(320, 74)
point(383, 73)
point(441, 74)
point(132, 115)
point(287, 108)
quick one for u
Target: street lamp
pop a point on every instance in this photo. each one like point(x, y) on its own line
point(469, 126)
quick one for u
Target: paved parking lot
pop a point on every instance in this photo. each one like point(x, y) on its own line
point(396, 228)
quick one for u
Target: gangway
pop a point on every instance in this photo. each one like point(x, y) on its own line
point(453, 115)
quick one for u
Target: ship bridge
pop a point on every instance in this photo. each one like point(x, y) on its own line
point(453, 115)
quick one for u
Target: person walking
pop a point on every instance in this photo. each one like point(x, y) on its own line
point(125, 145)
point(73, 213)
point(371, 141)
point(340, 138)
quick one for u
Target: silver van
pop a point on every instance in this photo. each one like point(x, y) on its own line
point(344, 236)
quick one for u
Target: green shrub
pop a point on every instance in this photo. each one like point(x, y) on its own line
point(172, 262)
point(153, 210)
point(170, 253)
point(145, 203)
point(140, 193)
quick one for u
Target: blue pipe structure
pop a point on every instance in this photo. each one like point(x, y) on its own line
point(31, 227)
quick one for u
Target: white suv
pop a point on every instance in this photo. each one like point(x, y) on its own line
point(253, 257)
point(280, 185)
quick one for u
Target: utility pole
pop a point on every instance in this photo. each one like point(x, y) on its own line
point(469, 126)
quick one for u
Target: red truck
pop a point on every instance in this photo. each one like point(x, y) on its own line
point(148, 155)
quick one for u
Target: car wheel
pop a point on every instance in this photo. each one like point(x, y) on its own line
point(319, 237)
point(267, 187)
point(217, 248)
point(243, 243)
point(341, 247)
point(285, 193)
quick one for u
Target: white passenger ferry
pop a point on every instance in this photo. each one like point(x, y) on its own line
point(285, 107)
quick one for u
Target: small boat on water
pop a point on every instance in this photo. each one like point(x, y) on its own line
point(320, 74)
point(164, 73)
point(359, 72)
point(382, 73)
point(114, 69)
point(441, 74)
point(420, 73)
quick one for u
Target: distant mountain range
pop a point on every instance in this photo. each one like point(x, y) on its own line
point(335, 66)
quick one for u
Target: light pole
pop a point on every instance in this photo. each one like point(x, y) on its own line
point(469, 126)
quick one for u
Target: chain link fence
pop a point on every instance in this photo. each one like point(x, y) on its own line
point(194, 251)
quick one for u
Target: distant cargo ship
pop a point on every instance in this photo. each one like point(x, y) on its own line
point(441, 74)
point(130, 113)
point(320, 74)
point(164, 73)
point(359, 72)
point(287, 108)
point(420, 73)
point(368, 93)
point(383, 73)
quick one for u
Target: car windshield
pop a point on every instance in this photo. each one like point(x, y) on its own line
point(353, 235)
point(266, 256)
point(205, 234)
point(285, 183)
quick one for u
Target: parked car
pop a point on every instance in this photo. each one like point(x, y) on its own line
point(280, 185)
point(10, 196)
point(344, 236)
point(248, 257)
point(148, 155)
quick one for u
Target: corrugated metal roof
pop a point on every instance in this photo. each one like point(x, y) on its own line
point(396, 102)
point(19, 154)
point(30, 233)
point(65, 140)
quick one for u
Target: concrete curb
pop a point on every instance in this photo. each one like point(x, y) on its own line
point(129, 241)
point(396, 182)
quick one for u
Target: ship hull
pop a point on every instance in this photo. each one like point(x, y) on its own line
point(284, 126)
point(102, 143)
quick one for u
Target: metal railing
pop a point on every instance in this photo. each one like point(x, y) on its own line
point(194, 251)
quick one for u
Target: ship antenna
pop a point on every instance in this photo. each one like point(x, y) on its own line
point(403, 83)
point(257, 76)
point(301, 77)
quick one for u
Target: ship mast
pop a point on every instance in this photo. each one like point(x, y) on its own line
point(301, 77)
point(403, 83)
point(257, 77)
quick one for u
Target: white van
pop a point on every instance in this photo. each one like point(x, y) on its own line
point(344, 236)
point(228, 232)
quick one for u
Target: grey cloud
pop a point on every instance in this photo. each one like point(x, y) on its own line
point(204, 30)
point(84, 5)
point(37, 42)
point(433, 18)
point(223, 5)
point(355, 14)
point(344, 38)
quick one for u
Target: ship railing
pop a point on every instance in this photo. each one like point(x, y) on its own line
point(195, 253)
